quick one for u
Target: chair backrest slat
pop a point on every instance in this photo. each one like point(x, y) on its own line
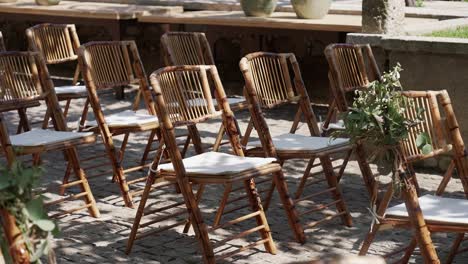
point(19, 78)
point(110, 63)
point(271, 78)
point(58, 43)
point(186, 48)
point(24, 78)
point(2, 43)
point(352, 67)
point(187, 93)
point(424, 107)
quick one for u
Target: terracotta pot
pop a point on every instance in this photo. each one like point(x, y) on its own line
point(47, 2)
point(312, 9)
point(258, 8)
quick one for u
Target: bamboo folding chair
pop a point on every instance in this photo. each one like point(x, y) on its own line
point(106, 65)
point(192, 48)
point(23, 124)
point(24, 78)
point(352, 67)
point(440, 214)
point(58, 43)
point(269, 84)
point(183, 97)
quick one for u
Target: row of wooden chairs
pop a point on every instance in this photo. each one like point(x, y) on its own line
point(179, 91)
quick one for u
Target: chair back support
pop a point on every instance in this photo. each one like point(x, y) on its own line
point(186, 48)
point(427, 104)
point(352, 67)
point(268, 83)
point(58, 43)
point(2, 43)
point(20, 77)
point(24, 78)
point(271, 78)
point(184, 97)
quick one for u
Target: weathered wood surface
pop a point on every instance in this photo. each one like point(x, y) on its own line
point(279, 20)
point(88, 10)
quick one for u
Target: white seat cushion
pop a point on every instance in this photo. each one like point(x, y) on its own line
point(436, 208)
point(41, 137)
point(127, 118)
point(202, 102)
point(305, 143)
point(216, 163)
point(70, 89)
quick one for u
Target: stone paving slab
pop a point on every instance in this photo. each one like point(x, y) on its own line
point(84, 239)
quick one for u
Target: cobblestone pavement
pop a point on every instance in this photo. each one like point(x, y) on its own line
point(84, 239)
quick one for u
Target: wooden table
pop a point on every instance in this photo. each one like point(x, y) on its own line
point(70, 12)
point(278, 20)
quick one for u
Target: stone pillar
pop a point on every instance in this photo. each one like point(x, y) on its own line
point(383, 16)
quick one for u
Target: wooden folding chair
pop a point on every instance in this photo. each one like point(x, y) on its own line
point(351, 67)
point(440, 214)
point(192, 48)
point(58, 43)
point(107, 65)
point(23, 124)
point(183, 96)
point(269, 84)
point(24, 78)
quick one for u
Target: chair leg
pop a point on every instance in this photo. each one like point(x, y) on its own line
point(247, 133)
point(122, 149)
point(289, 207)
point(344, 164)
point(45, 122)
point(454, 249)
point(368, 240)
point(409, 251)
point(148, 147)
point(222, 205)
point(219, 138)
point(140, 212)
point(336, 192)
point(84, 115)
point(269, 196)
point(66, 108)
point(201, 189)
point(367, 175)
point(300, 188)
point(445, 180)
point(66, 178)
point(84, 185)
point(256, 205)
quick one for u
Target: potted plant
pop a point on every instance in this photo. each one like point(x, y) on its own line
point(258, 8)
point(312, 9)
point(47, 2)
point(26, 226)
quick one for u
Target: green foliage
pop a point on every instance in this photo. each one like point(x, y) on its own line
point(16, 185)
point(459, 32)
point(377, 119)
point(419, 3)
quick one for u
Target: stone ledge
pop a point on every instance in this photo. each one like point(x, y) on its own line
point(412, 43)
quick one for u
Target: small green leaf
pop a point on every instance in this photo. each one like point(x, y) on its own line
point(35, 210)
point(427, 149)
point(422, 139)
point(45, 225)
point(4, 182)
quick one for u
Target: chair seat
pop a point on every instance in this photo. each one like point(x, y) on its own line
point(216, 164)
point(437, 209)
point(295, 142)
point(70, 89)
point(338, 125)
point(42, 137)
point(128, 118)
point(233, 102)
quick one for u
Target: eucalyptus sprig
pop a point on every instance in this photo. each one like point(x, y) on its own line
point(16, 196)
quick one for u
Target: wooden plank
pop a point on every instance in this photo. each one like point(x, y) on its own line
point(88, 10)
point(284, 20)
